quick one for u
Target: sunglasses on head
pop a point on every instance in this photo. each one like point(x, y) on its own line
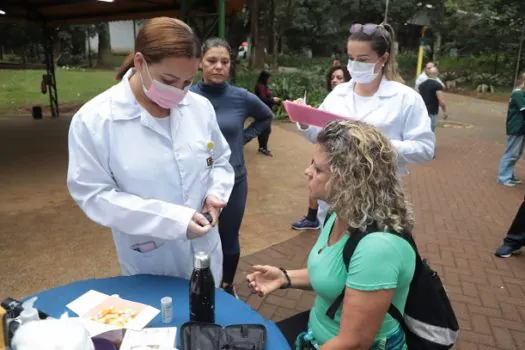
point(368, 28)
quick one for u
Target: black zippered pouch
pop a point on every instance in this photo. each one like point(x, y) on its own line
point(210, 336)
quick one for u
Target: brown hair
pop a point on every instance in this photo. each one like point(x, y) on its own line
point(216, 42)
point(364, 187)
point(162, 37)
point(331, 71)
point(382, 41)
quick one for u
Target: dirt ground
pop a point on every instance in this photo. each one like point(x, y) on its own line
point(45, 240)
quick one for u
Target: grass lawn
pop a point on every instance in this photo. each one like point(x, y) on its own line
point(21, 88)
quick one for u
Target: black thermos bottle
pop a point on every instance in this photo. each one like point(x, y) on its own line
point(202, 290)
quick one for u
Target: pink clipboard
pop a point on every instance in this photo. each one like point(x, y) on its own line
point(303, 114)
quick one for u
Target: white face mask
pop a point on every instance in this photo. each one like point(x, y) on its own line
point(362, 72)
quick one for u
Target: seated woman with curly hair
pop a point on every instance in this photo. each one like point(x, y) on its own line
point(355, 171)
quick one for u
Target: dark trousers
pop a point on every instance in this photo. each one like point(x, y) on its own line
point(516, 234)
point(293, 326)
point(229, 225)
point(264, 137)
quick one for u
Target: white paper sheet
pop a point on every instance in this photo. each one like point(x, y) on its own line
point(86, 302)
point(150, 338)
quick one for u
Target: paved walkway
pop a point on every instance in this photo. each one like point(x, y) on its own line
point(462, 216)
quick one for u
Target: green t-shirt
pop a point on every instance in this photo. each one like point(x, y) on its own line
point(381, 261)
point(516, 113)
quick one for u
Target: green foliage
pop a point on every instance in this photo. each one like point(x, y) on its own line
point(303, 62)
point(488, 79)
point(323, 25)
point(496, 70)
point(483, 27)
point(407, 63)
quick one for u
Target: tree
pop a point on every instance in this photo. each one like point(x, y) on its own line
point(322, 25)
point(257, 33)
point(26, 40)
point(104, 46)
point(237, 32)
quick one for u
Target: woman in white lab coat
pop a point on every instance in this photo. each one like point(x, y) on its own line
point(377, 96)
point(146, 157)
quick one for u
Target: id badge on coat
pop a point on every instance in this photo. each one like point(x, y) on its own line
point(211, 151)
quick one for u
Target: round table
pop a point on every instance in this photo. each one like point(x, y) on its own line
point(148, 289)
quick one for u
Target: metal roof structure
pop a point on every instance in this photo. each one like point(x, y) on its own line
point(52, 13)
point(58, 12)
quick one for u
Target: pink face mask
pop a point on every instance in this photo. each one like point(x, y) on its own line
point(164, 95)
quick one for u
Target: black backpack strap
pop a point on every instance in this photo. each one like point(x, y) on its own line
point(392, 310)
point(328, 214)
point(348, 251)
point(355, 237)
point(396, 315)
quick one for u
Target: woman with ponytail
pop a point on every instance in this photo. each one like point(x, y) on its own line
point(147, 158)
point(376, 95)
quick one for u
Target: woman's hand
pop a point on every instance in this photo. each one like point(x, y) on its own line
point(299, 101)
point(213, 205)
point(276, 99)
point(265, 279)
point(198, 226)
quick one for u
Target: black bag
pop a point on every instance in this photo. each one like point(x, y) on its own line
point(429, 321)
point(209, 336)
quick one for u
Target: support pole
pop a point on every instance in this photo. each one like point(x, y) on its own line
point(221, 10)
point(134, 33)
point(385, 20)
point(50, 68)
point(520, 50)
point(184, 9)
point(421, 52)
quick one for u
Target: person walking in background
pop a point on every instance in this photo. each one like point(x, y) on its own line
point(424, 75)
point(515, 128)
point(264, 93)
point(432, 92)
point(232, 106)
point(515, 238)
point(336, 75)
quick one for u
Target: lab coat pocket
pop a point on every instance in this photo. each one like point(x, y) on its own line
point(155, 262)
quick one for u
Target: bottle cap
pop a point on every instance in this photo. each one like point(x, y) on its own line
point(202, 261)
point(166, 301)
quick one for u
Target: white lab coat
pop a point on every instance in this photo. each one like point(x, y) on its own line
point(397, 110)
point(127, 174)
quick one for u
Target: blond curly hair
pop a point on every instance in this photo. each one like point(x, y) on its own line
point(364, 187)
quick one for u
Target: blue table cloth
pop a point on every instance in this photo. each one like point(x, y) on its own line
point(149, 290)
